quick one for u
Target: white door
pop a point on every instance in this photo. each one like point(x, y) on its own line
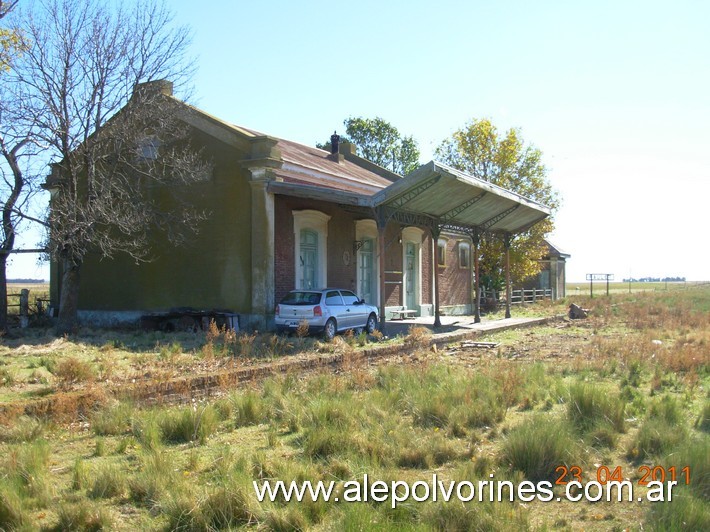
point(366, 265)
point(410, 275)
point(309, 259)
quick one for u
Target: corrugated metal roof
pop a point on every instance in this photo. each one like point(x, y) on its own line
point(310, 165)
point(457, 199)
point(436, 191)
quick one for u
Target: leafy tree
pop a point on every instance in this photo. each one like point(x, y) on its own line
point(114, 141)
point(10, 41)
point(380, 142)
point(505, 160)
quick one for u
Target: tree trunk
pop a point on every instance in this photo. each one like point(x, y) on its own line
point(69, 298)
point(3, 293)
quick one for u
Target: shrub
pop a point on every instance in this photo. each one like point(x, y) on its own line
point(113, 420)
point(226, 507)
point(109, 481)
point(694, 455)
point(251, 409)
point(285, 520)
point(147, 431)
point(591, 406)
point(537, 447)
point(156, 477)
point(703, 421)
point(684, 512)
point(13, 514)
point(24, 430)
point(188, 424)
point(7, 378)
point(667, 409)
point(26, 468)
point(418, 336)
point(83, 516)
point(79, 475)
point(655, 438)
point(71, 371)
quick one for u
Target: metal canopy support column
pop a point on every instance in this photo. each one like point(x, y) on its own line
point(435, 232)
point(476, 237)
point(506, 243)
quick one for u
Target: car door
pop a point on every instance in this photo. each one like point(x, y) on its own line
point(356, 311)
point(334, 302)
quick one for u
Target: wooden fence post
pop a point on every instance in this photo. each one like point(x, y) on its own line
point(24, 308)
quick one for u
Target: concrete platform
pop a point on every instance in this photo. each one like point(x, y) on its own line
point(453, 327)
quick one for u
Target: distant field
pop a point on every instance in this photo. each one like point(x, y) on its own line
point(37, 290)
point(600, 287)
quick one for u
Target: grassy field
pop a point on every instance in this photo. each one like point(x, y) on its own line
point(626, 388)
point(619, 287)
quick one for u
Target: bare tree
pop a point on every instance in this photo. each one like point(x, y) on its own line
point(121, 153)
point(18, 176)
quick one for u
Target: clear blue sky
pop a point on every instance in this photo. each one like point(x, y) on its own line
point(616, 94)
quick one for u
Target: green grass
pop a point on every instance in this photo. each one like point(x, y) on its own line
point(595, 392)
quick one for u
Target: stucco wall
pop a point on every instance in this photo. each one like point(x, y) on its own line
point(212, 270)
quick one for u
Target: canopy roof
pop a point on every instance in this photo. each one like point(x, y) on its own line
point(457, 200)
point(436, 194)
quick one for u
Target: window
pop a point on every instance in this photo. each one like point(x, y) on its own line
point(349, 298)
point(309, 258)
point(311, 237)
point(441, 252)
point(333, 298)
point(148, 149)
point(464, 255)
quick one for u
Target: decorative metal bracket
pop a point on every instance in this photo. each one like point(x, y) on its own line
point(453, 213)
point(498, 217)
point(357, 244)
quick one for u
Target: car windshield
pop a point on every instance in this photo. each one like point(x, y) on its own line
point(301, 298)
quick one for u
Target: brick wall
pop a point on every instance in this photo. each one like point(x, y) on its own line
point(454, 281)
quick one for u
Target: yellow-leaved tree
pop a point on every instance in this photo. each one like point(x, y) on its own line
point(504, 159)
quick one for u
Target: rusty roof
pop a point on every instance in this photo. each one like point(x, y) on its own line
point(313, 166)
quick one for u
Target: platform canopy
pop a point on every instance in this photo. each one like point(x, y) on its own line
point(436, 196)
point(454, 200)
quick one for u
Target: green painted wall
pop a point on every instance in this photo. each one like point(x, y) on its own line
point(212, 270)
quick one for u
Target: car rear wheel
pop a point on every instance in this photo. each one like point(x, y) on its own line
point(371, 324)
point(330, 329)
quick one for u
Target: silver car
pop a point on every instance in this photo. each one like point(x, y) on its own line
point(329, 311)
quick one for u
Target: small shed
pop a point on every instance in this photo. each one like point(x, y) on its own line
point(553, 275)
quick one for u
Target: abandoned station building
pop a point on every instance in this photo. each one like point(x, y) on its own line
point(283, 216)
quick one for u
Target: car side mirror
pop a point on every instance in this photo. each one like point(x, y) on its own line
point(361, 302)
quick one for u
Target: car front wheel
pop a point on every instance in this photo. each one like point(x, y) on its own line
point(371, 324)
point(329, 330)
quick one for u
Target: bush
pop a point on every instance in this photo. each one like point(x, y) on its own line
point(112, 421)
point(26, 468)
point(537, 447)
point(109, 481)
point(71, 370)
point(83, 516)
point(24, 430)
point(684, 512)
point(591, 407)
point(12, 512)
point(418, 336)
point(188, 424)
point(250, 408)
point(156, 477)
point(655, 438)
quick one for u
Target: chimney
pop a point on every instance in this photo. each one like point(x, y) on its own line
point(153, 88)
point(334, 143)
